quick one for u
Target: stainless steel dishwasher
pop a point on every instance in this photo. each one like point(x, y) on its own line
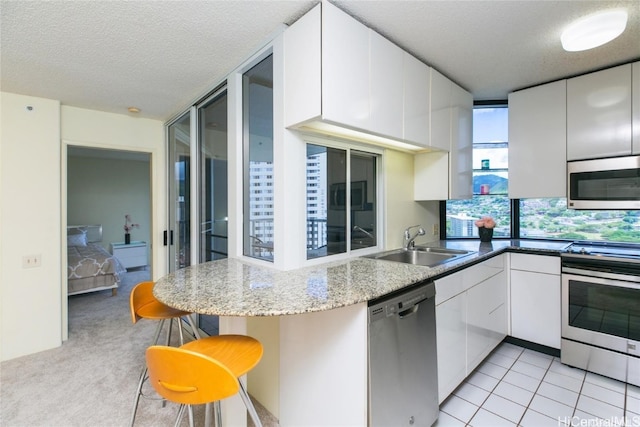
point(403, 374)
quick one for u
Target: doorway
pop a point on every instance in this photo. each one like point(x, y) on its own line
point(102, 186)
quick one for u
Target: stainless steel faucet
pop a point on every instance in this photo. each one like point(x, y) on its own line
point(409, 239)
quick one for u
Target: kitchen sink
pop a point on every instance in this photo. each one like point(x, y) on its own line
point(425, 256)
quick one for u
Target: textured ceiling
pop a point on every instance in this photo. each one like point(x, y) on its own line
point(162, 55)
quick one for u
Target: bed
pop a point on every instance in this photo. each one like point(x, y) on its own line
point(90, 267)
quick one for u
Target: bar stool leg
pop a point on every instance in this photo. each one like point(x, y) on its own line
point(179, 417)
point(180, 330)
point(169, 331)
point(143, 376)
point(207, 414)
point(190, 410)
point(192, 322)
point(249, 404)
point(218, 413)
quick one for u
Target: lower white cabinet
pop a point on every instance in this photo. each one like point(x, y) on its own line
point(535, 299)
point(471, 320)
point(486, 318)
point(451, 330)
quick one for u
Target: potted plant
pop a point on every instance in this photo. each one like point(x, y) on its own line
point(485, 228)
point(128, 226)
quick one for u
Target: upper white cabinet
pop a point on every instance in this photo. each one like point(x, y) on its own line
point(417, 90)
point(345, 69)
point(461, 150)
point(538, 142)
point(441, 104)
point(599, 114)
point(340, 75)
point(442, 175)
point(386, 100)
point(635, 107)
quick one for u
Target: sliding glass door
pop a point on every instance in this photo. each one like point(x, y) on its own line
point(177, 237)
point(199, 135)
point(212, 188)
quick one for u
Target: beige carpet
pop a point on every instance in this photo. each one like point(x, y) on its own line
point(91, 379)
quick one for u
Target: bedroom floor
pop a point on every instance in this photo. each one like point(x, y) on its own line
point(516, 386)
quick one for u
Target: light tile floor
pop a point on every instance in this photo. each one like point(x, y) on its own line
point(521, 387)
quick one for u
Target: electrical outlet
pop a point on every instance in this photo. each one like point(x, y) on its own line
point(436, 229)
point(31, 261)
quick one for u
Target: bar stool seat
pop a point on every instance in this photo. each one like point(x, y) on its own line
point(204, 371)
point(144, 305)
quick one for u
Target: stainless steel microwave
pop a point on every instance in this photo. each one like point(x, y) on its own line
point(611, 183)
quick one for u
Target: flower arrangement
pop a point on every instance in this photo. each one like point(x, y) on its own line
point(486, 222)
point(128, 224)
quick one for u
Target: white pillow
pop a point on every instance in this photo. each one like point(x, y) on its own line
point(77, 239)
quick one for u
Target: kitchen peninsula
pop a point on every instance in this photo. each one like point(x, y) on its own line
point(318, 315)
point(233, 287)
point(322, 319)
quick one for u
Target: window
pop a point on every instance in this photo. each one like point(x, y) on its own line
point(490, 178)
point(535, 218)
point(550, 219)
point(257, 90)
point(341, 200)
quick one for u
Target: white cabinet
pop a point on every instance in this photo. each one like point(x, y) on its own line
point(471, 320)
point(417, 92)
point(442, 175)
point(342, 76)
point(538, 142)
point(451, 326)
point(440, 106)
point(345, 69)
point(635, 107)
point(386, 87)
point(461, 150)
point(599, 114)
point(486, 318)
point(130, 255)
point(535, 299)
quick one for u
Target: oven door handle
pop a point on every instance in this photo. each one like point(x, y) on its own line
point(606, 279)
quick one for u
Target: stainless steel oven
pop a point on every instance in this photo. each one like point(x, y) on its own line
point(601, 310)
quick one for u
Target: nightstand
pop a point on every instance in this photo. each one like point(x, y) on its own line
point(131, 255)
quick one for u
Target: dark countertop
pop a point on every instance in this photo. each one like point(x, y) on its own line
point(234, 287)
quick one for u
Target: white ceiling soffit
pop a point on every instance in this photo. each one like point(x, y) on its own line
point(162, 55)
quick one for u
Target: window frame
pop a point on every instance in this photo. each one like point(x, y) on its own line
point(349, 146)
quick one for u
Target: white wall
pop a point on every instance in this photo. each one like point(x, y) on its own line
point(30, 224)
point(89, 128)
point(102, 191)
point(33, 208)
point(401, 211)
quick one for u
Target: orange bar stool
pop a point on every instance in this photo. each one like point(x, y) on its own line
point(145, 306)
point(204, 371)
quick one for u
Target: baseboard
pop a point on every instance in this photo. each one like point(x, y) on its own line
point(533, 346)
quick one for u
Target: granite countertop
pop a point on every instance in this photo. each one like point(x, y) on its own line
point(233, 287)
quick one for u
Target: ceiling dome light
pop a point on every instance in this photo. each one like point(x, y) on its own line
point(594, 30)
point(133, 110)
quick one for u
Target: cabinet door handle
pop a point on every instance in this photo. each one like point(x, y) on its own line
point(164, 238)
